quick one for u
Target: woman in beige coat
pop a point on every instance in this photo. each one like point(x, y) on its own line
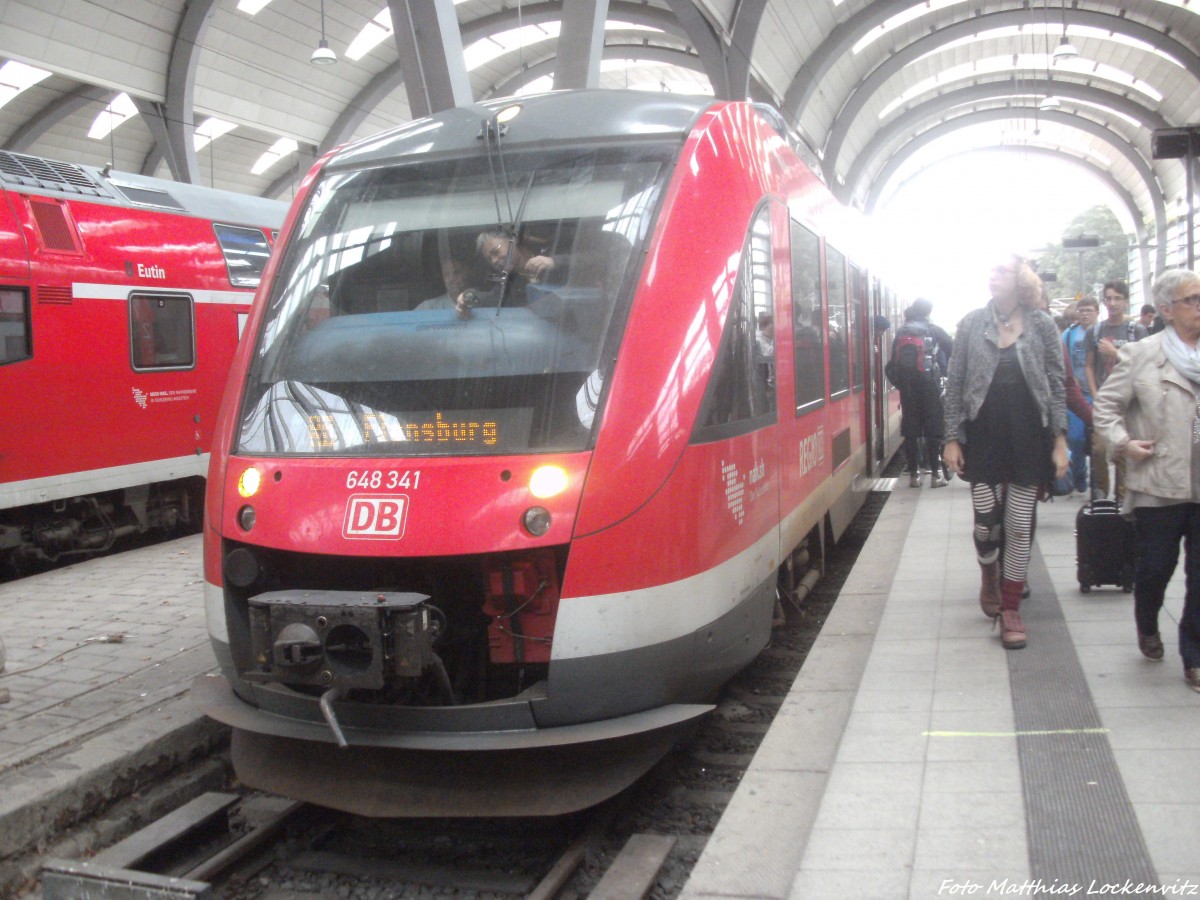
point(1149, 412)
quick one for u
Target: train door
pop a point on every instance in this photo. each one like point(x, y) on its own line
point(860, 365)
point(804, 434)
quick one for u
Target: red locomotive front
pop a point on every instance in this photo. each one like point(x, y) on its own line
point(502, 469)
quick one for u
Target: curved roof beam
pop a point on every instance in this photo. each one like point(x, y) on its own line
point(867, 88)
point(1099, 132)
point(392, 77)
point(181, 88)
point(287, 182)
point(834, 47)
point(911, 120)
point(844, 36)
point(665, 55)
point(706, 42)
point(1100, 174)
point(747, 18)
point(154, 117)
point(35, 127)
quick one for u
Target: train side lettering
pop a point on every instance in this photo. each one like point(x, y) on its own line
point(151, 272)
point(812, 451)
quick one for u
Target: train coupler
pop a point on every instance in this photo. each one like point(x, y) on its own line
point(340, 639)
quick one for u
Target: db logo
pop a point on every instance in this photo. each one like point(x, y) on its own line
point(375, 516)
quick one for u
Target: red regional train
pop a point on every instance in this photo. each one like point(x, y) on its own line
point(540, 403)
point(121, 301)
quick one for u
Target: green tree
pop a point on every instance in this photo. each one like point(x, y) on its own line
point(1107, 262)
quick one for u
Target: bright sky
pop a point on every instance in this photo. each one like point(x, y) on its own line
point(947, 226)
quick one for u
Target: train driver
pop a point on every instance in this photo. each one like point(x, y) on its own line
point(515, 264)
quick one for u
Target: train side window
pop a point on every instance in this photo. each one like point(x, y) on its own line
point(839, 322)
point(161, 331)
point(246, 251)
point(858, 304)
point(16, 340)
point(741, 389)
point(808, 337)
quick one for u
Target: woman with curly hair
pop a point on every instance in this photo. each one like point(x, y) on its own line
point(1006, 430)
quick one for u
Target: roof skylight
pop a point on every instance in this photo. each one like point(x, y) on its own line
point(16, 77)
point(1034, 63)
point(374, 33)
point(113, 116)
point(252, 7)
point(277, 151)
point(211, 129)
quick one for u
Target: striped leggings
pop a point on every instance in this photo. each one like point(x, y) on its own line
point(1004, 525)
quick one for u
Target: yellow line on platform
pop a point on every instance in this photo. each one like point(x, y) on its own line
point(1009, 734)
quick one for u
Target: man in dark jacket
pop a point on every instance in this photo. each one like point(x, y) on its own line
point(920, 355)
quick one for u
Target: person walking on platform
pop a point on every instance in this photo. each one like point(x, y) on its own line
point(1149, 413)
point(1006, 430)
point(920, 351)
point(1103, 342)
point(1087, 311)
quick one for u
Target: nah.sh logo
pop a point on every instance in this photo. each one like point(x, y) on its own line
point(375, 516)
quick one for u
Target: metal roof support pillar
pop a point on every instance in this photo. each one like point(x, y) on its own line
point(430, 48)
point(181, 83)
point(708, 45)
point(154, 115)
point(580, 44)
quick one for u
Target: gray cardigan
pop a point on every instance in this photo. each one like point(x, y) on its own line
point(976, 356)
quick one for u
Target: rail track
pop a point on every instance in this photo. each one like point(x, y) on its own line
point(642, 843)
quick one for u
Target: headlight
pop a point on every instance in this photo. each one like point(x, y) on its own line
point(249, 483)
point(536, 520)
point(547, 482)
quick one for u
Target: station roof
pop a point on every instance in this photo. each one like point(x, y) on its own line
point(877, 91)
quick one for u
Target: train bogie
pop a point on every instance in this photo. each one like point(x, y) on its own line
point(540, 400)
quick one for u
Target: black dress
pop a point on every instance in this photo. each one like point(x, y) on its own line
point(1006, 443)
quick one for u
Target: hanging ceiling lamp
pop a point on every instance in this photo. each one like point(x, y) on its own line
point(1065, 49)
point(1050, 102)
point(323, 56)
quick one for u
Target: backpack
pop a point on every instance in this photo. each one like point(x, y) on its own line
point(914, 350)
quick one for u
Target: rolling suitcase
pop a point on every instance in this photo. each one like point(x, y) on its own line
point(1103, 544)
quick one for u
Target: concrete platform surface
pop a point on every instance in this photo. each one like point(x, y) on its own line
point(99, 658)
point(896, 768)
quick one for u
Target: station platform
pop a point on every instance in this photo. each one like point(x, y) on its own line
point(914, 757)
point(93, 695)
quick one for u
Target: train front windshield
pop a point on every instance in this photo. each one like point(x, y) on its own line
point(362, 351)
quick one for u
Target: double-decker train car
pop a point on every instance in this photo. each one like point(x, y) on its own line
point(121, 301)
point(540, 402)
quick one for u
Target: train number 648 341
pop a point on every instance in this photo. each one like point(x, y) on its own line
point(378, 478)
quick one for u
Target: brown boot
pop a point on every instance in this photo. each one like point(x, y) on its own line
point(1012, 629)
point(989, 589)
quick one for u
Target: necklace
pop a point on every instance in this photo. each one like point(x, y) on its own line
point(1003, 318)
